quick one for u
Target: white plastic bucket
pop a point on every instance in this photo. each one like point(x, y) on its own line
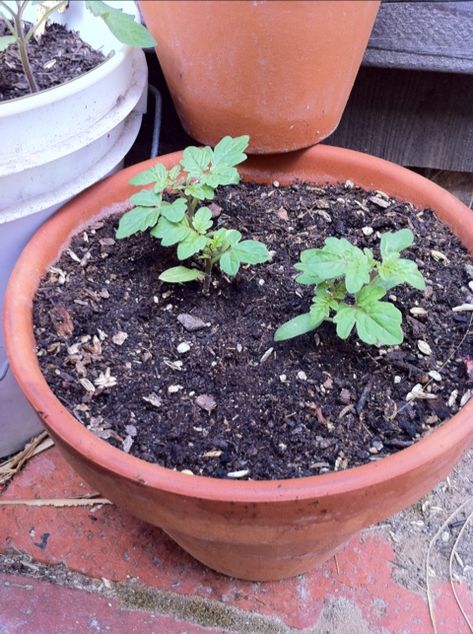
point(54, 145)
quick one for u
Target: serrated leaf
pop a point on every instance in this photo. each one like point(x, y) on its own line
point(174, 212)
point(345, 319)
point(232, 236)
point(230, 151)
point(297, 326)
point(192, 244)
point(322, 302)
point(379, 323)
point(146, 198)
point(251, 252)
point(199, 191)
point(202, 220)
point(6, 41)
point(180, 274)
point(138, 219)
point(395, 242)
point(376, 322)
point(122, 25)
point(156, 174)
point(170, 232)
point(229, 263)
point(337, 258)
point(196, 160)
point(370, 293)
point(174, 172)
point(395, 270)
point(308, 276)
point(221, 175)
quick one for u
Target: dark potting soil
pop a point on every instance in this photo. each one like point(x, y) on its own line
point(60, 56)
point(197, 383)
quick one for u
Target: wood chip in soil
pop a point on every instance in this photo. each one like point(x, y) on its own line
point(234, 403)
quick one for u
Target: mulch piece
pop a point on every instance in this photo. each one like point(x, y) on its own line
point(230, 402)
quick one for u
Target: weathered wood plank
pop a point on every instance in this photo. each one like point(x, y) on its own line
point(423, 36)
point(422, 119)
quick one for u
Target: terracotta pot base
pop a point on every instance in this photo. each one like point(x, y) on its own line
point(262, 530)
point(286, 73)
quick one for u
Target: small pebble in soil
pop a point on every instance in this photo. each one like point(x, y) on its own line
point(238, 474)
point(172, 389)
point(206, 402)
point(190, 322)
point(183, 347)
point(119, 338)
point(424, 347)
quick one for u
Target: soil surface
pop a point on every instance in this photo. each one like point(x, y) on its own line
point(60, 56)
point(234, 403)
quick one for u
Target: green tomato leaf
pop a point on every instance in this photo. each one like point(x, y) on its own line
point(191, 245)
point(6, 41)
point(370, 293)
point(337, 258)
point(229, 262)
point(221, 175)
point(232, 236)
point(297, 326)
point(229, 151)
point(174, 212)
point(138, 219)
point(179, 274)
point(345, 319)
point(394, 243)
point(146, 198)
point(322, 302)
point(156, 174)
point(308, 276)
point(202, 220)
point(199, 191)
point(379, 323)
point(196, 160)
point(170, 232)
point(174, 173)
point(251, 252)
point(122, 25)
point(395, 270)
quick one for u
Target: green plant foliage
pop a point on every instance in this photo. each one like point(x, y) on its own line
point(341, 271)
point(122, 25)
point(184, 222)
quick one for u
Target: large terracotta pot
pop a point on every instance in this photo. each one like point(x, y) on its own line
point(254, 530)
point(278, 71)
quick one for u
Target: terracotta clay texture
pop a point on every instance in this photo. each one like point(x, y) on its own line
point(278, 71)
point(253, 530)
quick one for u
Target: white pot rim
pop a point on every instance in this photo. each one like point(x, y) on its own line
point(73, 86)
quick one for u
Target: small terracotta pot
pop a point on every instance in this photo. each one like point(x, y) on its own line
point(253, 530)
point(278, 71)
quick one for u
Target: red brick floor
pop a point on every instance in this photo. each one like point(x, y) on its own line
point(137, 580)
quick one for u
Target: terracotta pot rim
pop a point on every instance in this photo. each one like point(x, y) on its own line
point(18, 305)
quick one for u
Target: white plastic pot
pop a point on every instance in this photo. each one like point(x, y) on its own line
point(55, 144)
